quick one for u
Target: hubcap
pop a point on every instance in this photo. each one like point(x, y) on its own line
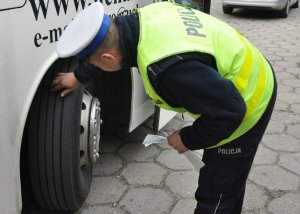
point(90, 129)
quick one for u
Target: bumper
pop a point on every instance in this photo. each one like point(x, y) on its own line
point(257, 4)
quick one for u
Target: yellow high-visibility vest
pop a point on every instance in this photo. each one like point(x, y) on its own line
point(168, 29)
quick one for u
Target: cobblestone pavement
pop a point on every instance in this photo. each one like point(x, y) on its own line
point(131, 179)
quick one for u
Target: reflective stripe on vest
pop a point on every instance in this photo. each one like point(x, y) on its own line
point(236, 58)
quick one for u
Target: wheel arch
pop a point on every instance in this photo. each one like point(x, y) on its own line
point(41, 72)
point(53, 140)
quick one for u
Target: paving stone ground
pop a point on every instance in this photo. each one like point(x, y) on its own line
point(131, 179)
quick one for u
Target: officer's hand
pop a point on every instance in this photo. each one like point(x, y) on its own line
point(66, 82)
point(174, 140)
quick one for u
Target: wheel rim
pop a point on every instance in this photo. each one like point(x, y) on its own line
point(89, 130)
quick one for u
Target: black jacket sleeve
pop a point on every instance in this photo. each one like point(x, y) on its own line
point(201, 90)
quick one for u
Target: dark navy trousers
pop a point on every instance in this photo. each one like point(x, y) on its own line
point(222, 181)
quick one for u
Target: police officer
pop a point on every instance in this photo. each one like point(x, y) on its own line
point(189, 62)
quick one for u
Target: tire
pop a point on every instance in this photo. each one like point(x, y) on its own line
point(285, 11)
point(227, 10)
point(59, 181)
point(296, 5)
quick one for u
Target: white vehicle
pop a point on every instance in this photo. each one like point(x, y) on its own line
point(47, 141)
point(281, 6)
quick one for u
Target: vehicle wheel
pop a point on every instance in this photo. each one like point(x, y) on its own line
point(227, 10)
point(285, 11)
point(296, 5)
point(63, 143)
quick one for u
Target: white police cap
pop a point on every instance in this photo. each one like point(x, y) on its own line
point(85, 33)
